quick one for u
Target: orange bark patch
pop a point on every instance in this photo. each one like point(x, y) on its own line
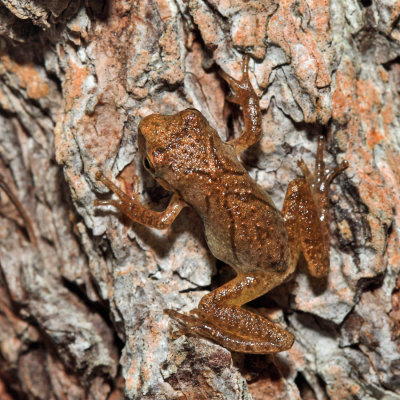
point(250, 32)
point(28, 77)
point(373, 138)
point(267, 387)
point(343, 97)
point(102, 132)
point(369, 107)
point(164, 9)
point(4, 101)
point(73, 85)
point(207, 25)
point(301, 44)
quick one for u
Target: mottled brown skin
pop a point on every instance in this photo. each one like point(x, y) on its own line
point(243, 228)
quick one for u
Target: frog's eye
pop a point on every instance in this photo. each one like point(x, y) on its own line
point(146, 163)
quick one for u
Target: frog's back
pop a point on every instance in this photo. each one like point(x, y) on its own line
point(243, 227)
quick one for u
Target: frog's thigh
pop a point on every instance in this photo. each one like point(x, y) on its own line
point(306, 232)
point(238, 329)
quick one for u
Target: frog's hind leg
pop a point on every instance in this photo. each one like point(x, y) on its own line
point(221, 318)
point(306, 214)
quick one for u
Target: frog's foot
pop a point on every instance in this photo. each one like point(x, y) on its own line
point(272, 339)
point(115, 189)
point(242, 89)
point(132, 208)
point(320, 180)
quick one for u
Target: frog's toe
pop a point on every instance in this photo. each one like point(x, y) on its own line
point(232, 82)
point(340, 168)
point(186, 322)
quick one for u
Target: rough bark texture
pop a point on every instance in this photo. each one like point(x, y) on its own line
point(82, 316)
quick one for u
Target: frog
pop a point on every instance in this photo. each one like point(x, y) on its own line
point(242, 226)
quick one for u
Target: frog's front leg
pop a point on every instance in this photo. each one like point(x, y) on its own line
point(244, 95)
point(306, 214)
point(133, 209)
point(221, 318)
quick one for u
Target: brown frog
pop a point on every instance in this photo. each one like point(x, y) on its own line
point(243, 227)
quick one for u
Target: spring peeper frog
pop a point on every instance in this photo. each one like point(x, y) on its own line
point(243, 228)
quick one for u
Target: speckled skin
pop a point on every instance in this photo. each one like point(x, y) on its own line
point(243, 228)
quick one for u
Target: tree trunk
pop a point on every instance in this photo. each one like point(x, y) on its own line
point(81, 310)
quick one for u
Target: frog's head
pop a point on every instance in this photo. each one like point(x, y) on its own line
point(169, 143)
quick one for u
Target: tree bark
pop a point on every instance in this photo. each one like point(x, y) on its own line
point(81, 311)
